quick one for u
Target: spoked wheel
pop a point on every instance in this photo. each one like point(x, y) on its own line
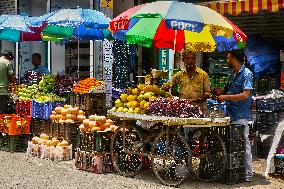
point(208, 155)
point(171, 158)
point(126, 151)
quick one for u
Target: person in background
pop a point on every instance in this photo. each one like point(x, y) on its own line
point(36, 61)
point(6, 76)
point(193, 81)
point(238, 97)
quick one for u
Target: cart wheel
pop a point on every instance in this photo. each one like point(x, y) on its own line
point(208, 155)
point(128, 160)
point(171, 158)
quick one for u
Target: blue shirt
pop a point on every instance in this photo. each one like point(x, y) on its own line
point(237, 110)
point(41, 69)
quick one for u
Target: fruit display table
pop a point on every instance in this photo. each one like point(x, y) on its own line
point(173, 158)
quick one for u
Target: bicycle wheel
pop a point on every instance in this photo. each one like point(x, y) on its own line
point(171, 158)
point(126, 152)
point(208, 155)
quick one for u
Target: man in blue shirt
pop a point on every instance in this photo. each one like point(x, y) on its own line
point(238, 96)
point(36, 61)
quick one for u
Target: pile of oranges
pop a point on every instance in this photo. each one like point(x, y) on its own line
point(87, 85)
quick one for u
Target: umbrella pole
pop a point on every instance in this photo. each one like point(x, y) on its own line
point(78, 68)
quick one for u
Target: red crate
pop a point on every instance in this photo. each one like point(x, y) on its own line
point(24, 108)
point(16, 125)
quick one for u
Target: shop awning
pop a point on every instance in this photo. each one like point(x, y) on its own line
point(235, 7)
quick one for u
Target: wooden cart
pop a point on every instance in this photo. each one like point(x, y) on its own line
point(173, 157)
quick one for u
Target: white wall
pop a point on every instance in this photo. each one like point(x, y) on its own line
point(57, 58)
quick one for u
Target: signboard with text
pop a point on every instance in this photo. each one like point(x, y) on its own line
point(164, 59)
point(107, 71)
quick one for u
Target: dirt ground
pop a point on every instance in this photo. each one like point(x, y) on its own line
point(17, 170)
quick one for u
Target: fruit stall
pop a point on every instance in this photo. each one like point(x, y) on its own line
point(151, 126)
point(59, 119)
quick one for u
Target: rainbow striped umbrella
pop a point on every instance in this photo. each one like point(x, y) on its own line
point(177, 25)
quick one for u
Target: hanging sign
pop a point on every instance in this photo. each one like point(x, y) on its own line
point(164, 59)
point(107, 71)
point(107, 4)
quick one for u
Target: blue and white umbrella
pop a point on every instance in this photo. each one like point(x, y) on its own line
point(85, 23)
point(11, 26)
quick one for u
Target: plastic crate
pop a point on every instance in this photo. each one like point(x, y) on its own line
point(14, 143)
point(15, 125)
point(279, 164)
point(266, 122)
point(92, 103)
point(233, 176)
point(93, 162)
point(263, 146)
point(52, 105)
point(235, 160)
point(40, 110)
point(276, 104)
point(232, 136)
point(23, 108)
point(266, 83)
point(39, 126)
point(214, 104)
point(282, 78)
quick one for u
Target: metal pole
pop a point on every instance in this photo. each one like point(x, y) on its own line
point(92, 63)
point(78, 71)
point(49, 61)
point(17, 46)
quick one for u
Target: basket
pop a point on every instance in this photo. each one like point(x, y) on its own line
point(40, 110)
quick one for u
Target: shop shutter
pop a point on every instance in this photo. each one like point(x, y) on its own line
point(7, 6)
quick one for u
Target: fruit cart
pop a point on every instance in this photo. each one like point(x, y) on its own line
point(173, 157)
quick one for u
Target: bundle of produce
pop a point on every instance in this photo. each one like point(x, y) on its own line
point(63, 85)
point(87, 85)
point(136, 100)
point(67, 114)
point(32, 77)
point(97, 123)
point(53, 149)
point(174, 107)
point(47, 83)
point(28, 92)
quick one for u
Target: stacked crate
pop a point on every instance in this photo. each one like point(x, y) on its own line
point(94, 152)
point(14, 132)
point(266, 124)
point(90, 103)
point(235, 148)
point(219, 73)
